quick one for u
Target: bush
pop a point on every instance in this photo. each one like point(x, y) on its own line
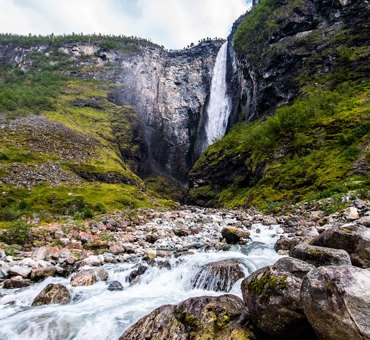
point(17, 233)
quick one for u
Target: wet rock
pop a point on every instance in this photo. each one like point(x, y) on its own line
point(355, 239)
point(39, 274)
point(136, 273)
point(272, 295)
point(85, 277)
point(53, 294)
point(115, 286)
point(234, 235)
point(195, 318)
point(16, 282)
point(320, 256)
point(116, 248)
point(286, 243)
point(336, 301)
point(218, 276)
point(101, 274)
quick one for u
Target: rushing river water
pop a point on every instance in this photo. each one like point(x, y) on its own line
point(96, 313)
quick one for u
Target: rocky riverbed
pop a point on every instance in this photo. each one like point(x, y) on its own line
point(207, 252)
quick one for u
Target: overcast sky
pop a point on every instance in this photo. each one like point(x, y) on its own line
point(172, 23)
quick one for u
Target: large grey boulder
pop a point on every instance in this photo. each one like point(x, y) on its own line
point(272, 295)
point(320, 256)
point(52, 294)
point(218, 276)
point(336, 301)
point(205, 317)
point(353, 238)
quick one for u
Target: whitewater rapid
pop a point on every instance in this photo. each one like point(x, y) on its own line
point(96, 313)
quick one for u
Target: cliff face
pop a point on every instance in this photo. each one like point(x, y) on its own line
point(168, 89)
point(302, 76)
point(280, 38)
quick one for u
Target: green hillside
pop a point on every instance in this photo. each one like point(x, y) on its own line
point(315, 147)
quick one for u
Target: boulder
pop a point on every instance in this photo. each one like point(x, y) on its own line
point(101, 274)
point(320, 256)
point(16, 282)
point(351, 214)
point(234, 235)
point(272, 295)
point(40, 274)
point(19, 271)
point(336, 301)
point(218, 276)
point(355, 239)
point(115, 286)
point(365, 221)
point(205, 317)
point(85, 277)
point(52, 294)
point(136, 273)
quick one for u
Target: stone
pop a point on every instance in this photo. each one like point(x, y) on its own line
point(234, 235)
point(16, 282)
point(218, 276)
point(205, 317)
point(86, 277)
point(52, 294)
point(136, 273)
point(101, 274)
point(272, 295)
point(115, 286)
point(365, 221)
point(40, 253)
point(39, 274)
point(19, 271)
point(286, 243)
point(336, 301)
point(320, 256)
point(355, 239)
point(116, 248)
point(351, 214)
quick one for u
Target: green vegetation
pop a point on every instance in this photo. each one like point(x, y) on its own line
point(104, 41)
point(312, 148)
point(17, 233)
point(305, 151)
point(77, 128)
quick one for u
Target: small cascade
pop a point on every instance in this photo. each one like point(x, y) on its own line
point(219, 105)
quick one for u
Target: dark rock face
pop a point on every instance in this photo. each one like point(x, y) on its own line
point(52, 294)
point(269, 81)
point(272, 295)
point(196, 318)
point(170, 90)
point(218, 276)
point(320, 256)
point(355, 239)
point(336, 301)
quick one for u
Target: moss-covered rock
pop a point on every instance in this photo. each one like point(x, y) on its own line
point(272, 295)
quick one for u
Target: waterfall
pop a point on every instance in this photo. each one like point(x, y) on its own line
point(219, 106)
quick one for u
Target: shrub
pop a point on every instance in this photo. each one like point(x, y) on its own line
point(17, 233)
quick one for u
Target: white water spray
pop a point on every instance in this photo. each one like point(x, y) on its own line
point(219, 105)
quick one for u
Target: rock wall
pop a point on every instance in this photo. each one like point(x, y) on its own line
point(169, 89)
point(269, 69)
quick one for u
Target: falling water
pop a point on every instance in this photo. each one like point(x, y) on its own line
point(219, 106)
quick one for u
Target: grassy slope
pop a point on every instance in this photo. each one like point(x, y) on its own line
point(317, 147)
point(81, 105)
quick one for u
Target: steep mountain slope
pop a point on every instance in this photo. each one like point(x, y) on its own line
point(68, 144)
point(306, 63)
